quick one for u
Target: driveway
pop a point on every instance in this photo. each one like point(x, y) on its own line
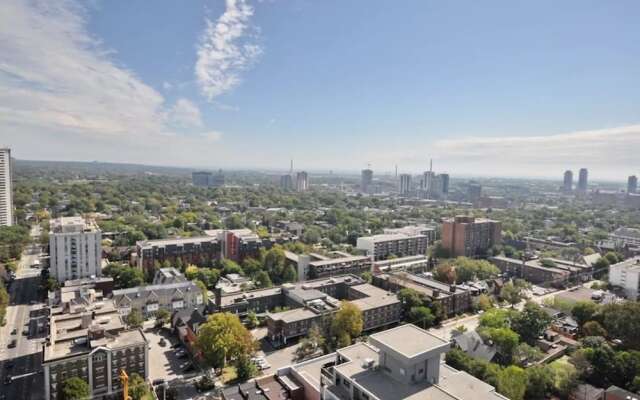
point(163, 363)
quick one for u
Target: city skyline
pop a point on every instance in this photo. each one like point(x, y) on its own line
point(231, 85)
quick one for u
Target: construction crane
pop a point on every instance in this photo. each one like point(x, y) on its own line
point(124, 378)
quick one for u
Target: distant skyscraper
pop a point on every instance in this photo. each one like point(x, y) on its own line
point(632, 184)
point(6, 188)
point(405, 184)
point(207, 179)
point(444, 184)
point(302, 181)
point(286, 182)
point(568, 181)
point(583, 180)
point(474, 192)
point(367, 180)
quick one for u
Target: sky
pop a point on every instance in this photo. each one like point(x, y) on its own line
point(499, 88)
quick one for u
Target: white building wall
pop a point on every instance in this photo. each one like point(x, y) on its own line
point(87, 254)
point(627, 276)
point(6, 188)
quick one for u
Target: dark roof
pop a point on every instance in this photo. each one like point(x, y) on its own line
point(189, 316)
point(620, 393)
point(249, 389)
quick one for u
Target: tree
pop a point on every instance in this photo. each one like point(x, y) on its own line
point(134, 319)
point(311, 235)
point(124, 277)
point(245, 368)
point(524, 354)
point(496, 318)
point(612, 258)
point(540, 382)
point(230, 267)
point(593, 328)
point(512, 382)
point(347, 323)
point(622, 321)
point(138, 388)
point(468, 269)
point(565, 377)
point(531, 322)
point(163, 317)
point(584, 311)
point(513, 292)
point(505, 340)
point(262, 280)
point(202, 287)
point(191, 272)
point(422, 317)
point(223, 338)
point(484, 302)
point(445, 273)
point(289, 274)
point(75, 389)
point(410, 298)
point(252, 320)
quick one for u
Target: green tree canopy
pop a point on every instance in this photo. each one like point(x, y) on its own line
point(75, 389)
point(347, 323)
point(223, 338)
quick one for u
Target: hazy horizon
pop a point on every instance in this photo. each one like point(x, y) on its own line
point(483, 89)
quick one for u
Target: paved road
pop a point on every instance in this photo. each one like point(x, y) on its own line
point(25, 365)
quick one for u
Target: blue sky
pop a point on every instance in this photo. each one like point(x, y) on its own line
point(488, 88)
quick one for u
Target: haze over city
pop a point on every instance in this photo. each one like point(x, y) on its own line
point(491, 88)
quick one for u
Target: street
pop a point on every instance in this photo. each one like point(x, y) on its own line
point(23, 363)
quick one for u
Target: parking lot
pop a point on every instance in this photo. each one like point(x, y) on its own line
point(163, 362)
point(277, 358)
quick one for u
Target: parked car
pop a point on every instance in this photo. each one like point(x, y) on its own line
point(12, 344)
point(162, 342)
point(14, 331)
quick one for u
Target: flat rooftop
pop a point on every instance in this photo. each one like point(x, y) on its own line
point(72, 224)
point(70, 347)
point(175, 241)
point(376, 297)
point(409, 340)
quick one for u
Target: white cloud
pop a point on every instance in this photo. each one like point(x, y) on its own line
point(185, 114)
point(610, 153)
point(57, 80)
point(225, 50)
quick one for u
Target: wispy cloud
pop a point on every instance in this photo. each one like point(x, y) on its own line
point(226, 49)
point(185, 114)
point(610, 153)
point(58, 80)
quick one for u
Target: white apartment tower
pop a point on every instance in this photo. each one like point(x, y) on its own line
point(75, 248)
point(6, 189)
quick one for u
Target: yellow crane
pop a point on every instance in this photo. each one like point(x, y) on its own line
point(124, 378)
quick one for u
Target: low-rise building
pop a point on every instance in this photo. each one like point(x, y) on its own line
point(399, 363)
point(175, 296)
point(314, 266)
point(625, 236)
point(311, 302)
point(381, 247)
point(626, 275)
point(91, 343)
point(452, 299)
point(534, 271)
point(418, 263)
point(193, 250)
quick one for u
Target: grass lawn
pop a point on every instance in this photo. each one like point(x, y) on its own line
point(229, 374)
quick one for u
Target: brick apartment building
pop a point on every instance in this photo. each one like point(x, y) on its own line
point(469, 236)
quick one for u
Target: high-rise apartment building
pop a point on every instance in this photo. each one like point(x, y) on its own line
point(6, 189)
point(302, 181)
point(75, 248)
point(632, 184)
point(286, 182)
point(469, 236)
point(405, 184)
point(583, 180)
point(567, 185)
point(444, 184)
point(474, 192)
point(366, 180)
